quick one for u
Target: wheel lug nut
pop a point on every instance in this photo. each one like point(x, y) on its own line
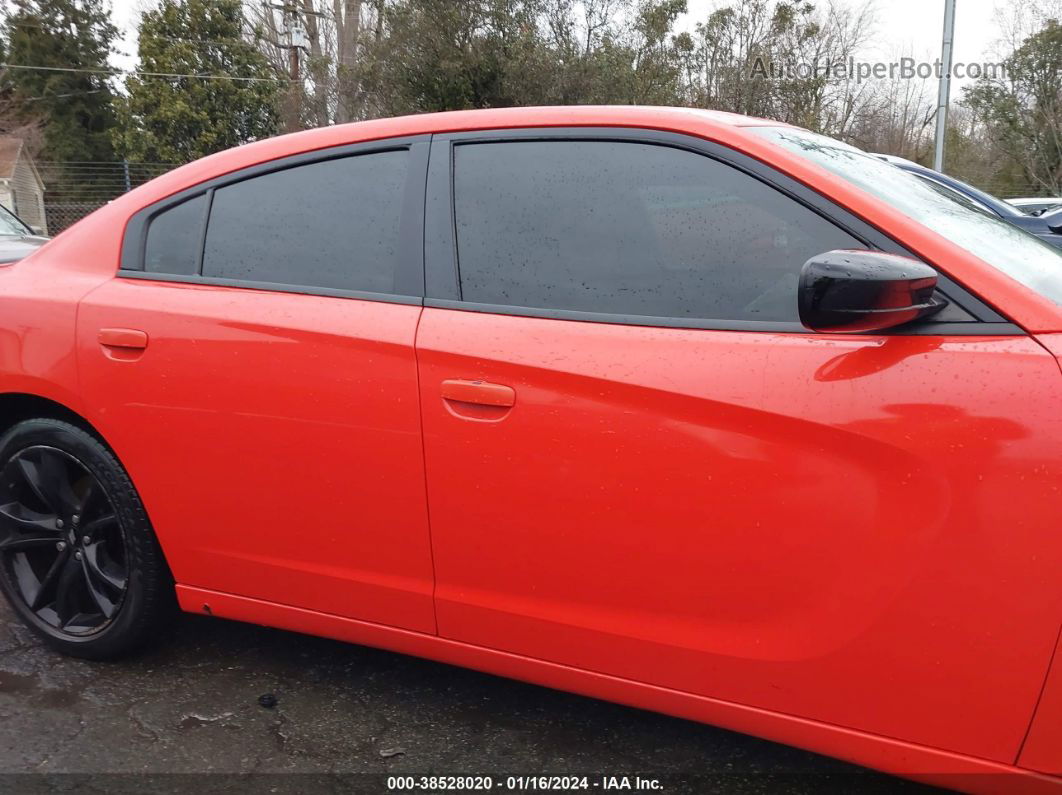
point(75, 518)
point(59, 523)
point(61, 546)
point(77, 556)
point(86, 540)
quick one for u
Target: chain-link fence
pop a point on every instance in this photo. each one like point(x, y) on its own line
point(60, 216)
point(1010, 190)
point(75, 189)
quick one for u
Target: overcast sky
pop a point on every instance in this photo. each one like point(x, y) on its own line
point(902, 27)
point(912, 27)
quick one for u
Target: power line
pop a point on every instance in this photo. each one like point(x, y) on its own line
point(64, 96)
point(138, 73)
point(244, 42)
point(111, 167)
point(249, 42)
point(103, 163)
point(252, 40)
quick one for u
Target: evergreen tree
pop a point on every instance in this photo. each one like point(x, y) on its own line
point(72, 100)
point(178, 119)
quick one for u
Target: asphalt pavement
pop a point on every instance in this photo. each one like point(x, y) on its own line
point(223, 707)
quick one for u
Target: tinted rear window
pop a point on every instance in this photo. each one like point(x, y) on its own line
point(332, 224)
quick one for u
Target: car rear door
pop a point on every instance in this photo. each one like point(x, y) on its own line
point(253, 365)
point(640, 464)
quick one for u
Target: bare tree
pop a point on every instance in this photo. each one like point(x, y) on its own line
point(1016, 20)
point(784, 60)
point(334, 42)
point(895, 117)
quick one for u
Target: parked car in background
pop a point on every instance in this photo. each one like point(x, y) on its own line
point(1047, 229)
point(1036, 206)
point(16, 238)
point(713, 415)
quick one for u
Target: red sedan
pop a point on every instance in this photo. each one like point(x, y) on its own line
point(690, 411)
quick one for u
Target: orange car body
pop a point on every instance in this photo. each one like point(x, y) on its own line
point(848, 543)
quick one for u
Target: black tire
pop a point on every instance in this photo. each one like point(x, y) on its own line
point(111, 588)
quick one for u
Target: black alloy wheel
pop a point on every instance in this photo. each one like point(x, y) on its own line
point(79, 561)
point(61, 546)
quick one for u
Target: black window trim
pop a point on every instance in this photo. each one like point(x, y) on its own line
point(442, 268)
point(409, 274)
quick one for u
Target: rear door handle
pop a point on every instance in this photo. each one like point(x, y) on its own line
point(127, 338)
point(479, 393)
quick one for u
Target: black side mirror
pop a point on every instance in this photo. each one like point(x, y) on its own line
point(849, 291)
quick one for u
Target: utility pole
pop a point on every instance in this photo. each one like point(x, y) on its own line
point(290, 20)
point(944, 94)
point(290, 31)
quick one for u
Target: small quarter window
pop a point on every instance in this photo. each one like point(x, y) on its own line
point(174, 237)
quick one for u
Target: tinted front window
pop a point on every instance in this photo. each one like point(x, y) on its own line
point(174, 237)
point(329, 224)
point(629, 228)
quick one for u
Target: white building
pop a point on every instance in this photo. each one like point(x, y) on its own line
point(21, 188)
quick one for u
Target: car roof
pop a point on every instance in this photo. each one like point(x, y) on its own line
point(545, 114)
point(705, 122)
point(1040, 200)
point(997, 205)
point(896, 159)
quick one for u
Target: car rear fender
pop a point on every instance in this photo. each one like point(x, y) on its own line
point(38, 306)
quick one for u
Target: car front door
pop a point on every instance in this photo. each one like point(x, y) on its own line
point(253, 366)
point(640, 464)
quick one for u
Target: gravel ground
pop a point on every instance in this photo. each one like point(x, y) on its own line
point(187, 716)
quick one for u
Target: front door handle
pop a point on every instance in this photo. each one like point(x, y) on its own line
point(478, 400)
point(479, 392)
point(123, 338)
